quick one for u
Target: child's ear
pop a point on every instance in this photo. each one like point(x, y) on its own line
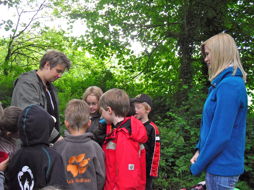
point(89, 123)
point(109, 109)
point(67, 124)
point(47, 66)
point(148, 109)
point(100, 111)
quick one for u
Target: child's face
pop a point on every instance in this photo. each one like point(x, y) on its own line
point(140, 110)
point(106, 114)
point(93, 103)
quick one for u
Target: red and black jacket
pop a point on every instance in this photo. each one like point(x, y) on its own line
point(152, 149)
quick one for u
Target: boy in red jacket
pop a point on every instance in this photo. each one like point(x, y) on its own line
point(143, 106)
point(124, 151)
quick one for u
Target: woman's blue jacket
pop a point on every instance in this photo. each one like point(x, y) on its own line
point(222, 136)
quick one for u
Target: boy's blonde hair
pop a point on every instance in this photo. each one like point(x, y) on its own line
point(146, 105)
point(77, 113)
point(118, 100)
point(93, 90)
point(223, 52)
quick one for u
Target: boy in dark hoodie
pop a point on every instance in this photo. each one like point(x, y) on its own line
point(83, 157)
point(35, 165)
point(124, 151)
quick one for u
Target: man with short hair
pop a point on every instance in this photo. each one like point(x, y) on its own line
point(35, 87)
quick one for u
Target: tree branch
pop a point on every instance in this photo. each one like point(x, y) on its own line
point(32, 19)
point(149, 58)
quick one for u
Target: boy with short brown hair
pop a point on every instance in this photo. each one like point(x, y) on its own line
point(124, 152)
point(143, 106)
point(83, 158)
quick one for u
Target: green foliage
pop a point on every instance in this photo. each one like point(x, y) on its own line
point(179, 135)
point(176, 152)
point(6, 84)
point(169, 67)
point(242, 185)
point(10, 3)
point(249, 154)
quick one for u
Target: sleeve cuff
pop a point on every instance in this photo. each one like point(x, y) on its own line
point(194, 170)
point(1, 174)
point(54, 136)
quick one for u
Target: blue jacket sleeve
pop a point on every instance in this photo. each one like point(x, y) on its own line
point(227, 106)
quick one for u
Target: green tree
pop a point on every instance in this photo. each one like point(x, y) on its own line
point(169, 66)
point(21, 45)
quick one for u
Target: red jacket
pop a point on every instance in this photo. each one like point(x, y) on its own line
point(125, 156)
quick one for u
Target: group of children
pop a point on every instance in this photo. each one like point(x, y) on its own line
point(105, 147)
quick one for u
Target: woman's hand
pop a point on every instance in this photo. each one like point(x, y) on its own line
point(195, 157)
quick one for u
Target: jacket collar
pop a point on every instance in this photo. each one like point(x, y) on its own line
point(225, 73)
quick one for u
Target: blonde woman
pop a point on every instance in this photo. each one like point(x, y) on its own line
point(220, 150)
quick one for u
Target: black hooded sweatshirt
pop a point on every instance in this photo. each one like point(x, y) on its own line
point(35, 165)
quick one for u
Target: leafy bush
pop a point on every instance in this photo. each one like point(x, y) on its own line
point(176, 152)
point(6, 86)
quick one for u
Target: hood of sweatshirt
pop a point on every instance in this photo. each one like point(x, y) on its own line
point(136, 129)
point(139, 132)
point(88, 136)
point(35, 126)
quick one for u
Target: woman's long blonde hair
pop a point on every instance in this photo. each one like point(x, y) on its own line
point(224, 53)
